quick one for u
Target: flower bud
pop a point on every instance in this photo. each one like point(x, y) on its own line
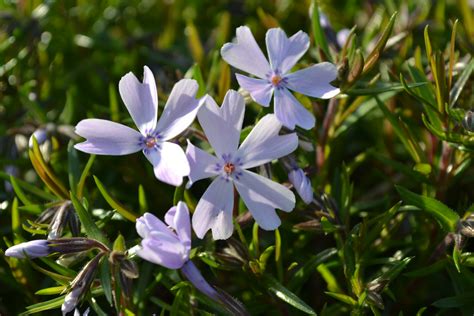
point(41, 136)
point(59, 221)
point(31, 249)
point(80, 284)
point(468, 121)
point(302, 184)
point(233, 253)
point(75, 244)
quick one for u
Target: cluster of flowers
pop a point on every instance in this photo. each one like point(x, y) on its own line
point(169, 244)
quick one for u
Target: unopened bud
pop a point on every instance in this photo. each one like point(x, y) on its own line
point(41, 136)
point(75, 244)
point(468, 121)
point(31, 249)
point(129, 268)
point(232, 253)
point(311, 225)
point(80, 284)
point(376, 299)
point(59, 221)
point(302, 184)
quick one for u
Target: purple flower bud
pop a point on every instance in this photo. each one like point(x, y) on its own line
point(41, 136)
point(302, 184)
point(342, 36)
point(71, 300)
point(81, 284)
point(31, 249)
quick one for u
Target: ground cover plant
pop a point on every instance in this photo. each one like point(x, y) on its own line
point(299, 157)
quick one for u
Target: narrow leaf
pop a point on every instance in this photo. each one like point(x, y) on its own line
point(446, 217)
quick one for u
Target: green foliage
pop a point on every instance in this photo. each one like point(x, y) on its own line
point(390, 160)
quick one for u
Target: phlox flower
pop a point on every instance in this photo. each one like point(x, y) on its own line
point(169, 245)
point(141, 99)
point(275, 77)
point(166, 244)
point(222, 126)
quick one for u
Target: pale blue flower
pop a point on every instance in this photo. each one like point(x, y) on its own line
point(169, 245)
point(31, 249)
point(222, 126)
point(166, 244)
point(168, 159)
point(275, 77)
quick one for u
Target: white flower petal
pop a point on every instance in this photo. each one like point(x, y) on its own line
point(245, 54)
point(314, 81)
point(222, 125)
point(169, 163)
point(140, 99)
point(260, 89)
point(262, 196)
point(202, 165)
point(285, 52)
point(263, 144)
point(107, 138)
point(180, 109)
point(214, 210)
point(290, 112)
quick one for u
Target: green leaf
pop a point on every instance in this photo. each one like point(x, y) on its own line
point(19, 192)
point(84, 174)
point(374, 56)
point(286, 295)
point(385, 88)
point(343, 298)
point(28, 187)
point(178, 194)
point(113, 104)
point(262, 260)
point(461, 300)
point(142, 199)
point(447, 218)
point(51, 290)
point(427, 270)
point(318, 32)
point(92, 230)
point(46, 173)
point(407, 139)
point(44, 306)
point(460, 83)
point(105, 280)
point(309, 268)
point(73, 166)
point(113, 203)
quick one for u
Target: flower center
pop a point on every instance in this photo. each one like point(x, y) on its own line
point(276, 79)
point(229, 168)
point(150, 141)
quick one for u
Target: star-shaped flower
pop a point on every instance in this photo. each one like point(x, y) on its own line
point(141, 99)
point(222, 126)
point(274, 77)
